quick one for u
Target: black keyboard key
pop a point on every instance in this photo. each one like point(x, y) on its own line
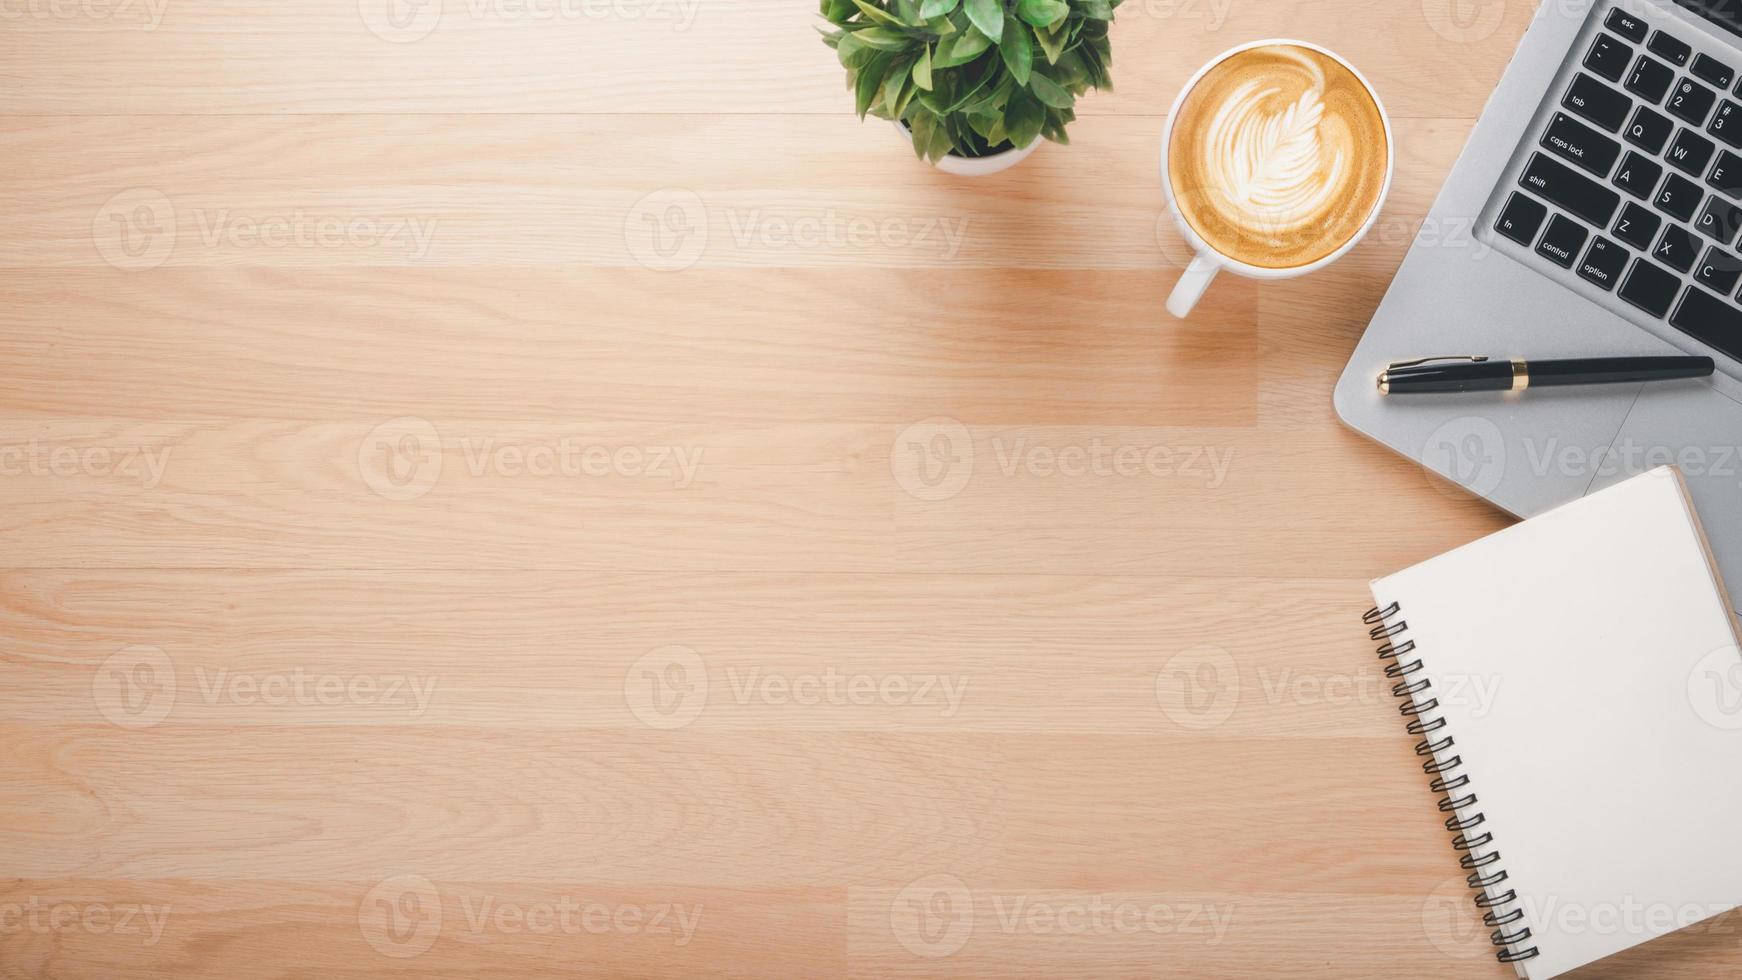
point(1637, 226)
point(1608, 58)
point(1626, 25)
point(1678, 248)
point(1720, 221)
point(1562, 241)
point(1710, 320)
point(1649, 130)
point(1690, 101)
point(1520, 219)
point(1673, 50)
point(1679, 196)
point(1561, 185)
point(1726, 174)
point(1650, 79)
point(1650, 288)
point(1690, 152)
point(1727, 123)
point(1603, 263)
point(1598, 102)
point(1712, 70)
point(1637, 175)
point(1719, 271)
point(1581, 144)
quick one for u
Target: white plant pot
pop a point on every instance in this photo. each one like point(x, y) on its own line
point(976, 166)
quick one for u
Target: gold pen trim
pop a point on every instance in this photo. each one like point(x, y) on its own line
point(1520, 375)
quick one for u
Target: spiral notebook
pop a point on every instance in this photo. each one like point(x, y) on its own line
point(1575, 685)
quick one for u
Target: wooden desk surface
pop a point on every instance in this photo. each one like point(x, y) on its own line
point(535, 488)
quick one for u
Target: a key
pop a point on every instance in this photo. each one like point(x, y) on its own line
point(1637, 226)
point(1679, 196)
point(1727, 123)
point(1689, 101)
point(1637, 175)
point(1720, 221)
point(1650, 79)
point(1649, 287)
point(1678, 248)
point(1708, 319)
point(1649, 130)
point(1713, 71)
point(1561, 185)
point(1562, 241)
point(1726, 174)
point(1690, 152)
point(1608, 57)
point(1626, 25)
point(1575, 141)
point(1520, 219)
point(1603, 263)
point(1597, 102)
point(1671, 49)
point(1718, 271)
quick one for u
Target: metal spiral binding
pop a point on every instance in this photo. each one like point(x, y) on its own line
point(1484, 874)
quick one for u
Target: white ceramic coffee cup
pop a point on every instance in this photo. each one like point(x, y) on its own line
point(1207, 262)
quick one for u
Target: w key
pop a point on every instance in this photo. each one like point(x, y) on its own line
point(1581, 144)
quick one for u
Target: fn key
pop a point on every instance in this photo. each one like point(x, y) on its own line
point(1520, 219)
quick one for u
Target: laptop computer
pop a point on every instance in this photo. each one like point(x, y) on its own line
point(1601, 193)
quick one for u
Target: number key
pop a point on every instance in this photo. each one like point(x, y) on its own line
point(1727, 123)
point(1690, 102)
point(1650, 79)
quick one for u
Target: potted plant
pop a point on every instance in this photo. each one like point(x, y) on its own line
point(973, 84)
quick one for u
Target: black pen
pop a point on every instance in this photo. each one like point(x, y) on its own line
point(1438, 375)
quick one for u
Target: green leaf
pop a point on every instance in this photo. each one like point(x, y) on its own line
point(876, 14)
point(894, 84)
point(867, 84)
point(837, 11)
point(1049, 92)
point(968, 45)
point(1050, 42)
point(938, 8)
point(922, 70)
point(1042, 13)
point(1097, 9)
point(987, 15)
point(883, 39)
point(1018, 53)
point(1023, 119)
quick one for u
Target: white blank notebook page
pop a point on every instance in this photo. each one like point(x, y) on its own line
point(1603, 755)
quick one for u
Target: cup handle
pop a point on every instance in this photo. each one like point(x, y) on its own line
point(1192, 284)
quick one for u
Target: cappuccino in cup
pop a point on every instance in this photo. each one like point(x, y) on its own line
point(1277, 158)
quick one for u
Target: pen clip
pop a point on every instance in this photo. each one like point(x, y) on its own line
point(1473, 358)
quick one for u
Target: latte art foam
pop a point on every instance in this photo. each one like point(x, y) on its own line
point(1278, 157)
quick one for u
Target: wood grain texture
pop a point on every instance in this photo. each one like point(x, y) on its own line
point(540, 490)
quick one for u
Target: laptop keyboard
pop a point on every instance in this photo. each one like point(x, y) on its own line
point(1635, 182)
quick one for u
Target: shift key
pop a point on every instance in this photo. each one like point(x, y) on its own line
point(1561, 185)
